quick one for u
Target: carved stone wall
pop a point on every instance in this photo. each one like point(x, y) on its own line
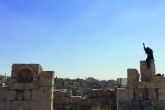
point(64, 99)
point(30, 88)
point(140, 95)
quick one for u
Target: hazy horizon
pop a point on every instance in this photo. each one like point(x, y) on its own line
point(99, 39)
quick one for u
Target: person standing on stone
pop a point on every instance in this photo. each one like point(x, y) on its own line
point(150, 56)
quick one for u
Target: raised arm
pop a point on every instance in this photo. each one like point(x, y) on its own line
point(144, 47)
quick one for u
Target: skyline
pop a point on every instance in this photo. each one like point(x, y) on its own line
point(100, 39)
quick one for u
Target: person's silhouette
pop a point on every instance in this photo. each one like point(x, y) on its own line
point(150, 56)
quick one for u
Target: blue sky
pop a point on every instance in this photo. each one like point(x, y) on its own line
point(82, 38)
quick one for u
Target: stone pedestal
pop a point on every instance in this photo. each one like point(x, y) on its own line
point(145, 73)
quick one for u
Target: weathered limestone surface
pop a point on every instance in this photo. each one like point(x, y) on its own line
point(138, 94)
point(19, 86)
point(136, 103)
point(131, 85)
point(46, 78)
point(32, 86)
point(11, 94)
point(151, 89)
point(152, 94)
point(156, 78)
point(20, 105)
point(124, 94)
point(7, 105)
point(132, 75)
point(43, 93)
point(150, 85)
point(146, 78)
point(124, 105)
point(147, 72)
point(20, 95)
point(145, 102)
point(28, 90)
point(2, 105)
point(74, 99)
point(34, 68)
point(2, 93)
point(161, 94)
point(46, 105)
point(141, 84)
point(27, 95)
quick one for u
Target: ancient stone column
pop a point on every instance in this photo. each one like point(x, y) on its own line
point(145, 73)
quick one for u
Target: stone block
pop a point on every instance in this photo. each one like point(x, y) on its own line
point(145, 102)
point(83, 102)
point(156, 78)
point(2, 93)
point(40, 105)
point(68, 94)
point(163, 104)
point(140, 94)
point(2, 105)
point(44, 93)
point(150, 84)
point(7, 105)
point(75, 99)
point(65, 100)
point(19, 86)
point(11, 94)
point(124, 105)
point(161, 94)
point(147, 72)
point(20, 105)
point(152, 95)
point(31, 85)
point(132, 75)
point(136, 103)
point(57, 100)
point(20, 95)
point(27, 95)
point(158, 84)
point(141, 84)
point(130, 94)
point(33, 69)
point(131, 85)
point(62, 93)
point(46, 105)
point(162, 84)
point(57, 93)
point(124, 94)
point(46, 78)
point(145, 79)
point(35, 105)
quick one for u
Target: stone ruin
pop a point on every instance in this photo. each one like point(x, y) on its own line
point(64, 99)
point(30, 88)
point(140, 95)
